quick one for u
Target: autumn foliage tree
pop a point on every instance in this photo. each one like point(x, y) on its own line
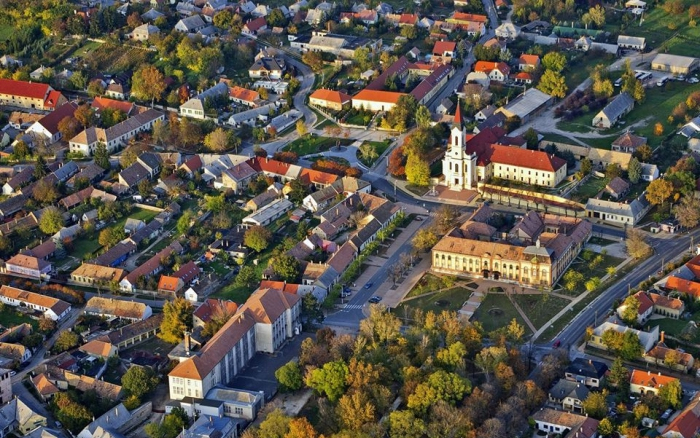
point(148, 83)
point(397, 162)
point(659, 191)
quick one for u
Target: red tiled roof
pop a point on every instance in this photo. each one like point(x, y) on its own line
point(168, 283)
point(694, 264)
point(470, 17)
point(243, 94)
point(281, 285)
point(52, 99)
point(683, 286)
point(441, 47)
point(100, 103)
point(530, 159)
point(211, 306)
point(408, 19)
point(317, 177)
point(255, 25)
point(187, 272)
point(34, 90)
point(378, 96)
point(529, 59)
point(662, 301)
point(644, 302)
point(523, 75)
point(331, 96)
point(686, 424)
point(487, 67)
point(50, 122)
point(194, 163)
point(650, 380)
point(260, 164)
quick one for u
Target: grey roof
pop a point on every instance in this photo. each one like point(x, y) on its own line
point(66, 171)
point(674, 60)
point(250, 114)
point(649, 169)
point(112, 420)
point(133, 174)
point(526, 103)
point(365, 233)
point(587, 368)
point(631, 209)
point(269, 64)
point(114, 253)
point(150, 160)
point(565, 388)
point(193, 22)
point(145, 232)
point(329, 277)
point(12, 205)
point(618, 106)
point(630, 40)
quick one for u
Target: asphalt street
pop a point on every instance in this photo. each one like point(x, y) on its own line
point(665, 251)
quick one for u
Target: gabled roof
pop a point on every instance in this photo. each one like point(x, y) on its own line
point(42, 250)
point(267, 305)
point(691, 288)
point(44, 385)
point(391, 97)
point(32, 90)
point(618, 106)
point(587, 368)
point(687, 423)
point(101, 103)
point(618, 185)
point(529, 59)
point(50, 121)
point(331, 96)
point(114, 307)
point(212, 306)
point(56, 305)
point(441, 47)
point(256, 24)
point(97, 348)
point(488, 66)
point(27, 261)
point(98, 272)
point(629, 140)
point(649, 379)
point(566, 388)
point(665, 302)
point(245, 94)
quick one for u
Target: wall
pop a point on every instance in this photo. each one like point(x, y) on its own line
point(138, 416)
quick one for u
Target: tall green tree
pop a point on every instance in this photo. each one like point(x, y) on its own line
point(634, 170)
point(102, 156)
point(51, 220)
point(257, 238)
point(286, 267)
point(417, 171)
point(139, 381)
point(289, 376)
point(329, 380)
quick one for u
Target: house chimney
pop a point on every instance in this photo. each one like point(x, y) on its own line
point(648, 373)
point(188, 342)
point(661, 340)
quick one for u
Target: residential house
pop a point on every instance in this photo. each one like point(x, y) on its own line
point(150, 231)
point(646, 307)
point(565, 424)
point(44, 387)
point(331, 99)
point(528, 62)
point(17, 416)
point(646, 382)
point(101, 349)
point(15, 352)
point(497, 71)
point(135, 333)
point(617, 188)
point(589, 372)
point(43, 250)
point(191, 166)
point(569, 395)
point(255, 26)
point(680, 361)
point(268, 68)
point(207, 426)
point(191, 24)
point(691, 128)
point(28, 266)
point(148, 269)
point(100, 103)
point(182, 277)
point(113, 423)
point(144, 32)
point(471, 23)
point(621, 213)
point(687, 423)
point(30, 95)
point(647, 339)
point(283, 121)
point(445, 106)
point(320, 199)
point(628, 142)
point(273, 192)
point(244, 96)
point(269, 213)
point(614, 111)
point(89, 274)
point(132, 225)
point(508, 31)
point(115, 255)
point(678, 65)
point(47, 126)
point(51, 308)
point(194, 107)
point(444, 51)
point(237, 177)
point(116, 136)
point(19, 180)
point(110, 307)
point(91, 173)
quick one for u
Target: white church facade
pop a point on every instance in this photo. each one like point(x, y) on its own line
point(472, 159)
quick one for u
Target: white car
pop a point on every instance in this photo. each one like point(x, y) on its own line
point(693, 80)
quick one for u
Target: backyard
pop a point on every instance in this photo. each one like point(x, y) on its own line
point(10, 317)
point(589, 189)
point(239, 294)
point(312, 144)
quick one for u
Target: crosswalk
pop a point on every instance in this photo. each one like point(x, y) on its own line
point(350, 307)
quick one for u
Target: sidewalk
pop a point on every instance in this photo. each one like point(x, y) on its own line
point(393, 297)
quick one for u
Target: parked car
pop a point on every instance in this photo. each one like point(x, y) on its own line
point(693, 80)
point(375, 299)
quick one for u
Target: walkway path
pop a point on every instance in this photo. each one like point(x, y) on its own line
point(522, 314)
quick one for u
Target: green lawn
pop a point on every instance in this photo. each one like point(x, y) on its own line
point(10, 317)
point(87, 48)
point(357, 119)
point(497, 311)
point(580, 65)
point(673, 327)
point(6, 31)
point(540, 308)
point(589, 189)
point(239, 294)
point(379, 147)
point(313, 144)
point(450, 299)
point(427, 283)
point(85, 246)
point(137, 213)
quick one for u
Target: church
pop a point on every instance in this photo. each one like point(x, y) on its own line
point(476, 158)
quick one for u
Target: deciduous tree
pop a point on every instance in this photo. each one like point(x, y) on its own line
point(554, 61)
point(45, 192)
point(330, 380)
point(257, 238)
point(368, 152)
point(417, 171)
point(636, 243)
point(671, 394)
point(659, 191)
point(177, 319)
point(289, 376)
point(148, 83)
point(424, 239)
point(687, 212)
point(139, 381)
point(286, 267)
point(51, 220)
point(85, 115)
point(553, 83)
point(629, 314)
point(355, 409)
point(111, 236)
point(221, 140)
point(595, 405)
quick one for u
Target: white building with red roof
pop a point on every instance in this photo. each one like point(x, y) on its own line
point(492, 154)
point(444, 51)
point(332, 99)
point(47, 126)
point(30, 95)
point(497, 71)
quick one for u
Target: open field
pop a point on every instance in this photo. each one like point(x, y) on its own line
point(379, 147)
point(313, 144)
point(497, 311)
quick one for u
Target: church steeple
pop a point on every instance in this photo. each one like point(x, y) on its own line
point(458, 117)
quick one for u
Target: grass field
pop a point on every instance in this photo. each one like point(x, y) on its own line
point(6, 31)
point(379, 147)
point(540, 308)
point(87, 48)
point(10, 317)
point(85, 246)
point(450, 299)
point(313, 144)
point(589, 189)
point(671, 326)
point(239, 294)
point(497, 311)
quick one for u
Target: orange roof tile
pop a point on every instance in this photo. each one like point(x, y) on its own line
point(488, 66)
point(683, 286)
point(331, 96)
point(530, 159)
point(101, 103)
point(649, 379)
point(317, 177)
point(97, 348)
point(58, 306)
point(470, 17)
point(668, 303)
point(243, 94)
point(44, 385)
point(687, 422)
point(441, 47)
point(211, 306)
point(168, 283)
point(378, 96)
point(529, 59)
point(281, 285)
point(268, 304)
point(694, 266)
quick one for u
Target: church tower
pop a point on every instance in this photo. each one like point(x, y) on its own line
point(458, 167)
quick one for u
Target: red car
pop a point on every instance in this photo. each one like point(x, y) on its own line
point(556, 344)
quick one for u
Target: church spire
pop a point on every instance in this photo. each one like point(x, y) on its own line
point(458, 117)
